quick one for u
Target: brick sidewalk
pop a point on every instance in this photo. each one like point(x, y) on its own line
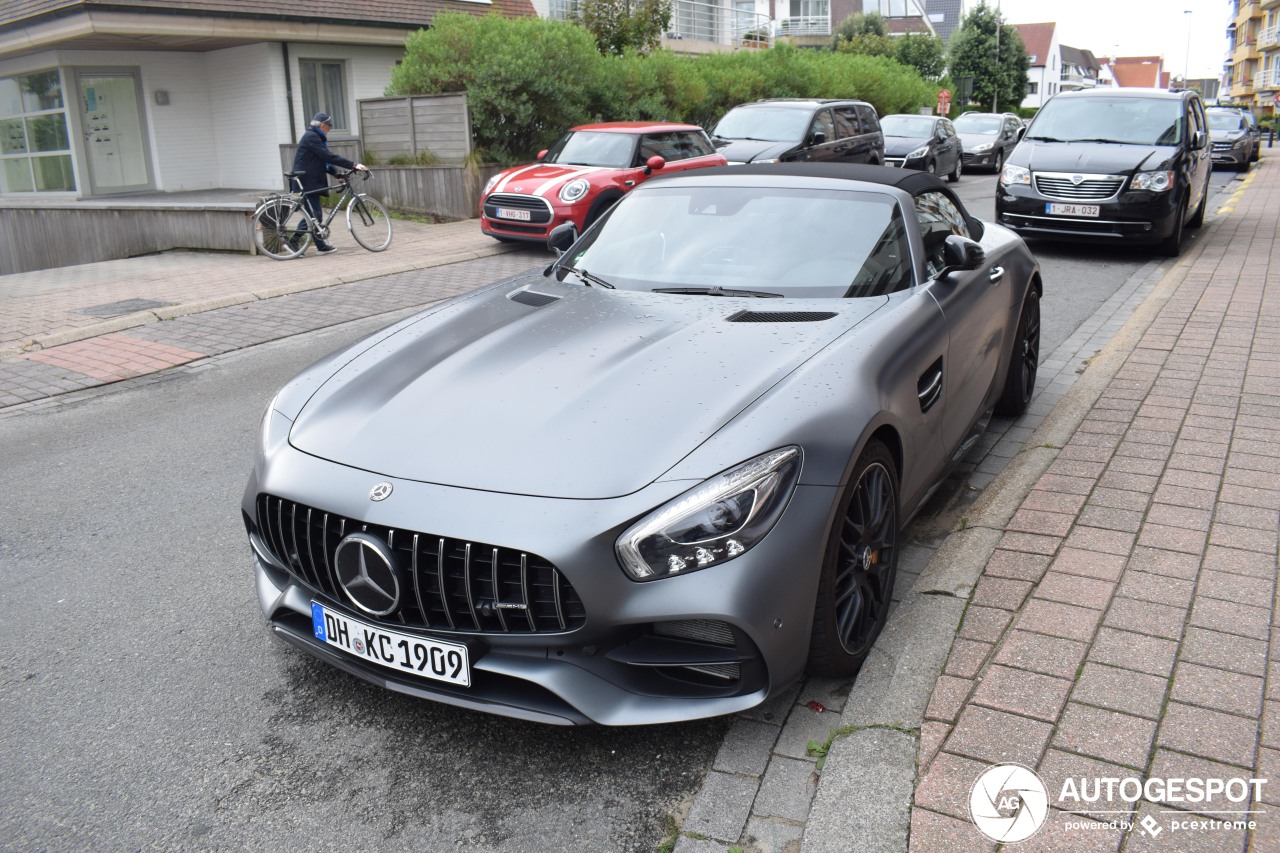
point(1126, 624)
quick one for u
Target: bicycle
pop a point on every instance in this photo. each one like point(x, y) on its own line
point(283, 226)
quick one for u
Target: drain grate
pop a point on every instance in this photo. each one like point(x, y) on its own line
point(119, 309)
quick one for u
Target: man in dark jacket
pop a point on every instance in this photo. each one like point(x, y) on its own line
point(316, 162)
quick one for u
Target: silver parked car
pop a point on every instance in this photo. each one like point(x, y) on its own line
point(659, 479)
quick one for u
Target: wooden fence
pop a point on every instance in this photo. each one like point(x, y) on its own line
point(403, 127)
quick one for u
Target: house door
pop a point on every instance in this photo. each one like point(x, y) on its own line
point(111, 120)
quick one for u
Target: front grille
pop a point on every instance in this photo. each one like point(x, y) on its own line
point(539, 209)
point(451, 584)
point(1091, 188)
point(702, 631)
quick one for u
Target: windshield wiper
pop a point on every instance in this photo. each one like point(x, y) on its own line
point(717, 291)
point(1106, 141)
point(587, 277)
point(1044, 138)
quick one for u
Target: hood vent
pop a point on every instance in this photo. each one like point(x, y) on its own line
point(537, 300)
point(780, 316)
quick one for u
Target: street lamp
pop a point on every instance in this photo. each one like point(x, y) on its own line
point(1186, 67)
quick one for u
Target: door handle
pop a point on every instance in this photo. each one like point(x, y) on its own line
point(996, 274)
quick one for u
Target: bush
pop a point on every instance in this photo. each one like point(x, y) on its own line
point(528, 79)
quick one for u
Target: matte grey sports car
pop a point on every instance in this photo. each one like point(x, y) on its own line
point(660, 478)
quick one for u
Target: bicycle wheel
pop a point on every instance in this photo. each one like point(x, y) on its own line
point(279, 229)
point(369, 222)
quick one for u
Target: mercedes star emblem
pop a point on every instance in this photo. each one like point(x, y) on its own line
point(367, 572)
point(380, 492)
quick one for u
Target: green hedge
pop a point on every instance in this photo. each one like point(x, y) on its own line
point(528, 79)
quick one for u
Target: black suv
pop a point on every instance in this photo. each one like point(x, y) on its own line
point(1114, 164)
point(784, 129)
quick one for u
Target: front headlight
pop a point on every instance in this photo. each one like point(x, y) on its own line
point(714, 522)
point(922, 151)
point(1241, 142)
point(493, 182)
point(1156, 182)
point(1015, 175)
point(574, 190)
point(986, 146)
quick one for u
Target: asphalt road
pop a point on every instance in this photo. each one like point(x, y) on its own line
point(144, 704)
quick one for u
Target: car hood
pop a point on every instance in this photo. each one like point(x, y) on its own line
point(900, 146)
point(541, 179)
point(751, 150)
point(594, 395)
point(1227, 135)
point(973, 140)
point(1097, 158)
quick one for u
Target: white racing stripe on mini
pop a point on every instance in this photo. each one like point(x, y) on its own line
point(564, 179)
point(502, 184)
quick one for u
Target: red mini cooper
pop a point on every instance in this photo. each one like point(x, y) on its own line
point(585, 172)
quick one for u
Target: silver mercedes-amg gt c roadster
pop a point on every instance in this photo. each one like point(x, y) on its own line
point(664, 476)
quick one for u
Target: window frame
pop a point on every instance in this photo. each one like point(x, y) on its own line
point(339, 112)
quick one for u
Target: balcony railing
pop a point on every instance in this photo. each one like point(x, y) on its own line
point(1077, 80)
point(815, 25)
point(1269, 38)
point(1265, 80)
point(719, 24)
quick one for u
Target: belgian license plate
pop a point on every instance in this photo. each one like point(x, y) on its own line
point(510, 213)
point(392, 649)
point(1071, 209)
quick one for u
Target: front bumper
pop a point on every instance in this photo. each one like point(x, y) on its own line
point(1232, 155)
point(918, 163)
point(1130, 216)
point(713, 642)
point(542, 216)
point(979, 160)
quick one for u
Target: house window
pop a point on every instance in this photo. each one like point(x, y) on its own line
point(564, 10)
point(900, 9)
point(35, 146)
point(324, 89)
point(1033, 88)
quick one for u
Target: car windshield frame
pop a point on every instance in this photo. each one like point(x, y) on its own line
point(1117, 119)
point(764, 123)
point(603, 148)
point(691, 238)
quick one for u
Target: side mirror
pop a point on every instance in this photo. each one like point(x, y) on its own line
point(1201, 140)
point(818, 138)
point(542, 153)
point(654, 164)
point(961, 253)
point(562, 237)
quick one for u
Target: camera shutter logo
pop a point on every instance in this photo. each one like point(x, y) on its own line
point(1008, 803)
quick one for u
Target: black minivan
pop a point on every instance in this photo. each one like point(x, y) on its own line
point(775, 130)
point(1110, 164)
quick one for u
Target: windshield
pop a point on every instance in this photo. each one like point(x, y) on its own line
point(769, 124)
point(773, 241)
point(906, 126)
point(1225, 121)
point(593, 148)
point(1130, 121)
point(979, 124)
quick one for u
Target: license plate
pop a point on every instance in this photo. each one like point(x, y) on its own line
point(1071, 209)
point(510, 213)
point(391, 649)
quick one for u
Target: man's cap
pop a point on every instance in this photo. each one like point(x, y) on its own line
point(322, 118)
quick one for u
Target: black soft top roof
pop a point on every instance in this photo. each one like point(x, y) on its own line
point(909, 181)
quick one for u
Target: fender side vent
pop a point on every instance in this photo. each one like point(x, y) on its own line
point(537, 300)
point(780, 316)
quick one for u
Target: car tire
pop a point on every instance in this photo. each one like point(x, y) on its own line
point(1257, 152)
point(598, 209)
point(1198, 219)
point(859, 569)
point(998, 166)
point(954, 177)
point(1171, 246)
point(1024, 360)
point(931, 167)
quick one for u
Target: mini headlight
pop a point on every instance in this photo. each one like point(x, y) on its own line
point(1015, 175)
point(922, 151)
point(1156, 182)
point(986, 146)
point(492, 182)
point(574, 190)
point(714, 522)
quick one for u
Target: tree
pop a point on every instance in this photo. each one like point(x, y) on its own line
point(998, 68)
point(866, 35)
point(619, 25)
point(923, 52)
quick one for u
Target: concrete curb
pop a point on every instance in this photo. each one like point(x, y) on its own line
point(142, 318)
point(868, 781)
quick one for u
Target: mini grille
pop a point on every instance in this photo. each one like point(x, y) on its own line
point(780, 316)
point(537, 300)
point(1092, 188)
point(539, 210)
point(450, 584)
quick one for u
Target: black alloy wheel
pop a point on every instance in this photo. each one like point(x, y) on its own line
point(954, 177)
point(999, 162)
point(1024, 361)
point(861, 564)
